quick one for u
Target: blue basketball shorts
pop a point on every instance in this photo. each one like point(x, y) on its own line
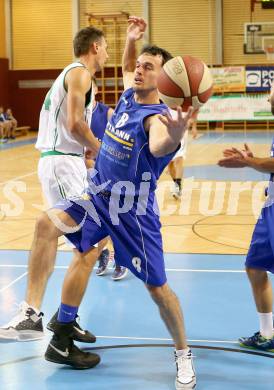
point(137, 239)
point(261, 250)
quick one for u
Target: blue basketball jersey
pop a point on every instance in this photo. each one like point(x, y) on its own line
point(99, 120)
point(124, 154)
point(272, 155)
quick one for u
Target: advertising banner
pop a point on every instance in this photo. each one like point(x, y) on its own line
point(229, 79)
point(259, 78)
point(253, 107)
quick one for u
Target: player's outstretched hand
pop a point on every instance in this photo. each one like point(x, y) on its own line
point(178, 123)
point(137, 27)
point(235, 158)
point(246, 151)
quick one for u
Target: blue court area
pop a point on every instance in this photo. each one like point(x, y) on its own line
point(16, 144)
point(221, 137)
point(214, 172)
point(133, 343)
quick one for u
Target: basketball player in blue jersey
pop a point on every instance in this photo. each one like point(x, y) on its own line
point(260, 257)
point(140, 140)
point(101, 113)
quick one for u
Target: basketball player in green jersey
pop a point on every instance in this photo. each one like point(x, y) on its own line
point(63, 135)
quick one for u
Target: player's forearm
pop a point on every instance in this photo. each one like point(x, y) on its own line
point(129, 56)
point(162, 141)
point(265, 165)
point(82, 133)
point(163, 146)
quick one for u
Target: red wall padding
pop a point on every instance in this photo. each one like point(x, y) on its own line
point(26, 102)
point(4, 82)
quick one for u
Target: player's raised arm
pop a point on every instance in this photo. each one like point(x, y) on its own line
point(135, 31)
point(78, 83)
point(166, 132)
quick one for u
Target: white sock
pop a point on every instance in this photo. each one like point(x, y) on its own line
point(182, 352)
point(266, 325)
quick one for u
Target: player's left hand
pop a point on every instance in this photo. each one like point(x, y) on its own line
point(177, 124)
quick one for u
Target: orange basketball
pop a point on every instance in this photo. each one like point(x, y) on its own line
point(185, 81)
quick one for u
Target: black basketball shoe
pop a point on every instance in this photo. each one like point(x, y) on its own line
point(61, 349)
point(79, 334)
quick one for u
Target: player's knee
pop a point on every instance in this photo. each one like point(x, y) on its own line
point(256, 275)
point(88, 259)
point(44, 226)
point(253, 272)
point(159, 294)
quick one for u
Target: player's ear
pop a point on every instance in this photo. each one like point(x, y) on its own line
point(94, 47)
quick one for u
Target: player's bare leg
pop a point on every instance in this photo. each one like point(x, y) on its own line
point(171, 314)
point(176, 170)
point(77, 276)
point(73, 290)
point(262, 289)
point(43, 254)
point(61, 348)
point(27, 324)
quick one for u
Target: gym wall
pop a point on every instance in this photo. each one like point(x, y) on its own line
point(4, 66)
point(235, 14)
point(109, 6)
point(2, 30)
point(184, 27)
point(41, 34)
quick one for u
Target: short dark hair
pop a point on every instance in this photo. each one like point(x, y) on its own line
point(84, 38)
point(157, 51)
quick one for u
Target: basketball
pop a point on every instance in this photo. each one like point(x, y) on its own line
point(185, 81)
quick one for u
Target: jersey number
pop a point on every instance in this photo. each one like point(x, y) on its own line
point(137, 264)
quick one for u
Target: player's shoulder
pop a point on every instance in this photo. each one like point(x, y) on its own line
point(79, 71)
point(78, 76)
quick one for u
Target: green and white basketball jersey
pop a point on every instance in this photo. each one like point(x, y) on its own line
point(53, 134)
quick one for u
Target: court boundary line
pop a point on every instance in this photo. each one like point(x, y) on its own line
point(17, 178)
point(124, 346)
point(165, 253)
point(110, 268)
point(13, 282)
point(164, 339)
